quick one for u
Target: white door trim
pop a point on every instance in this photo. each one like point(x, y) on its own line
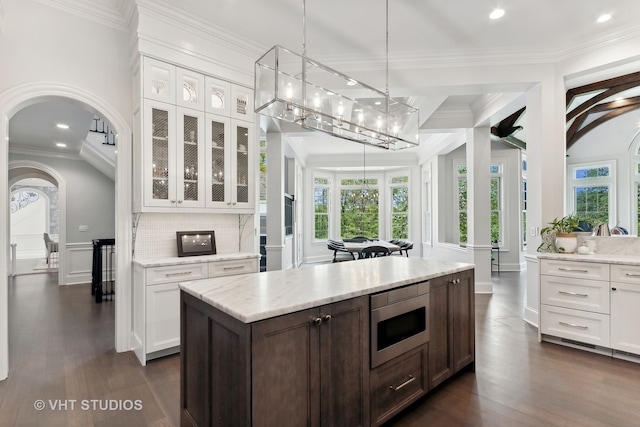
point(12, 101)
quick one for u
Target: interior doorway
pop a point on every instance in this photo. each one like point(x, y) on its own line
point(11, 102)
point(34, 211)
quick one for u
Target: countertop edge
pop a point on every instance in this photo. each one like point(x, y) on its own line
point(168, 261)
point(198, 289)
point(604, 258)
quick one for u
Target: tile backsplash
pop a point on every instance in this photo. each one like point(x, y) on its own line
point(156, 232)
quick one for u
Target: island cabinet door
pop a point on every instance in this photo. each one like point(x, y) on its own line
point(462, 303)
point(311, 368)
point(451, 325)
point(440, 355)
point(344, 363)
point(286, 370)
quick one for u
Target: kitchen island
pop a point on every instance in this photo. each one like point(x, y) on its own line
point(293, 347)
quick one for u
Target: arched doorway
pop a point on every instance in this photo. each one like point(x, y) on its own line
point(22, 169)
point(12, 101)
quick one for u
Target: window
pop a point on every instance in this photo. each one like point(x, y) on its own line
point(591, 189)
point(359, 213)
point(495, 203)
point(321, 195)
point(400, 207)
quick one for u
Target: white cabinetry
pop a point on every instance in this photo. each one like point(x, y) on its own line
point(574, 302)
point(591, 305)
point(625, 309)
point(231, 161)
point(156, 299)
point(189, 160)
point(174, 147)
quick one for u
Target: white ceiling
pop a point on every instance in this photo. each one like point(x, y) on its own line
point(348, 32)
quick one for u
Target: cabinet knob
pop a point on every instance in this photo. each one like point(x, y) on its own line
point(614, 289)
point(317, 321)
point(173, 200)
point(327, 318)
point(179, 201)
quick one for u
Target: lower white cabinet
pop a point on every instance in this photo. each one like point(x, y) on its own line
point(591, 305)
point(156, 297)
point(625, 309)
point(163, 317)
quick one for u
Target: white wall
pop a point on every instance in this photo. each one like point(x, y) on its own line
point(90, 198)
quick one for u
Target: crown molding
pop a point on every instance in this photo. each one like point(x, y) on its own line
point(173, 15)
point(110, 16)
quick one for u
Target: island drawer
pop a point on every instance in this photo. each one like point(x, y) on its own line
point(577, 325)
point(625, 273)
point(581, 294)
point(398, 383)
point(176, 273)
point(584, 270)
point(232, 267)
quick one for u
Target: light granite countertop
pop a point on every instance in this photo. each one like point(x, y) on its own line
point(597, 257)
point(257, 296)
point(161, 262)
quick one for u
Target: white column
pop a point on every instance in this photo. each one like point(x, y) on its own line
point(546, 150)
point(275, 201)
point(478, 206)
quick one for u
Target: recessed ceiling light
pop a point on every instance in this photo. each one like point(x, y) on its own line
point(62, 126)
point(497, 14)
point(352, 83)
point(603, 18)
point(61, 144)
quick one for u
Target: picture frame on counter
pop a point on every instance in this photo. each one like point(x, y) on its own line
point(194, 243)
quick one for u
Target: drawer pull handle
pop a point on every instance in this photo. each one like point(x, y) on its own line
point(407, 382)
point(239, 267)
point(632, 275)
point(573, 294)
point(575, 270)
point(571, 325)
point(182, 273)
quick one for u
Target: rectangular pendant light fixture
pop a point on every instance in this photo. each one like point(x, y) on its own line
point(296, 89)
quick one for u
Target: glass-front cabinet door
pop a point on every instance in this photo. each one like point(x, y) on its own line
point(218, 130)
point(244, 168)
point(160, 151)
point(230, 159)
point(190, 153)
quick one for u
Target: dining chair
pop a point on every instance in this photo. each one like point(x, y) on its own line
point(339, 251)
point(374, 251)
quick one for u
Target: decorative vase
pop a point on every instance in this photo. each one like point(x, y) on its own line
point(566, 242)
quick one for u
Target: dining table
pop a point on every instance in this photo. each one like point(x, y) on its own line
point(357, 247)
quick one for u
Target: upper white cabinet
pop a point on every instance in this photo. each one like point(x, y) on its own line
point(190, 89)
point(158, 81)
point(217, 96)
point(174, 147)
point(230, 158)
point(198, 142)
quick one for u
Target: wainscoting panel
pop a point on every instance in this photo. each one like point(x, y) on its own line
point(79, 260)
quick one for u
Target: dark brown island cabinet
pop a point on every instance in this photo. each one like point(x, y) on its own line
point(312, 367)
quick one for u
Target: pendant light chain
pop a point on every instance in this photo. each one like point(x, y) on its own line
point(304, 30)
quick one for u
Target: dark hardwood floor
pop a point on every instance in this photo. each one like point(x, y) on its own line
point(61, 349)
